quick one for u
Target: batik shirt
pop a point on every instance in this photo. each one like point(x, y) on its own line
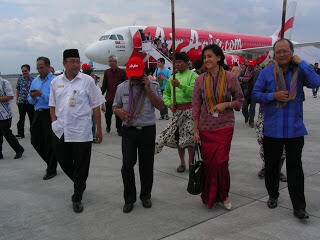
point(5, 90)
point(23, 86)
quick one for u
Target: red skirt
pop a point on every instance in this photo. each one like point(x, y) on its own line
point(215, 149)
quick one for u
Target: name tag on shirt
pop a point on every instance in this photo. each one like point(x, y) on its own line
point(60, 86)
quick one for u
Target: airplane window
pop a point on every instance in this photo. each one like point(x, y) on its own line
point(120, 37)
point(105, 37)
point(113, 37)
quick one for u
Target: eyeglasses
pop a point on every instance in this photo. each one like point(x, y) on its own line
point(284, 52)
point(72, 61)
point(24, 71)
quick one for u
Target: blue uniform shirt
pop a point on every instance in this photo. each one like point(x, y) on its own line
point(285, 122)
point(44, 87)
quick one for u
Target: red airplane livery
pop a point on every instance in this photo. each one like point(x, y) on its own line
point(129, 41)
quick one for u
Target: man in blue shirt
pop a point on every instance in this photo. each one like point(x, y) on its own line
point(279, 88)
point(162, 75)
point(41, 132)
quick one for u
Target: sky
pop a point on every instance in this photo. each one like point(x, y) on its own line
point(33, 28)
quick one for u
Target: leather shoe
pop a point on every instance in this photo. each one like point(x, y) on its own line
point(1, 156)
point(127, 207)
point(49, 176)
point(301, 213)
point(108, 130)
point(19, 154)
point(147, 203)
point(77, 207)
point(272, 202)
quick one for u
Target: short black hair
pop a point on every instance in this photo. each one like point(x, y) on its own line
point(26, 65)
point(87, 71)
point(217, 51)
point(162, 60)
point(316, 63)
point(45, 60)
point(182, 56)
point(236, 64)
point(283, 39)
point(198, 63)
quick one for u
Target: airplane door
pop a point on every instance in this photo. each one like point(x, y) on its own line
point(138, 37)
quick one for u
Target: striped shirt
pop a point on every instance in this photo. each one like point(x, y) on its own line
point(5, 90)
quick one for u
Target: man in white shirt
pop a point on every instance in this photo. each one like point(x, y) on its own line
point(73, 97)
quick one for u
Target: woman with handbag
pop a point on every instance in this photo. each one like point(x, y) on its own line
point(216, 94)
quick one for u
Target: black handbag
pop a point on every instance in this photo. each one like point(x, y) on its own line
point(196, 173)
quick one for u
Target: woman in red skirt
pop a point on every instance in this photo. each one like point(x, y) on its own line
point(216, 94)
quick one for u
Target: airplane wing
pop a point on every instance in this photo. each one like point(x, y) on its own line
point(255, 52)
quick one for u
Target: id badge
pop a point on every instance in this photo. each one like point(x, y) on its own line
point(215, 114)
point(72, 100)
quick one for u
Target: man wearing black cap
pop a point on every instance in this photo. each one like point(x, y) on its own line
point(41, 132)
point(179, 131)
point(73, 97)
point(134, 103)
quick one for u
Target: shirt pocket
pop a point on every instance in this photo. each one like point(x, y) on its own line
point(125, 102)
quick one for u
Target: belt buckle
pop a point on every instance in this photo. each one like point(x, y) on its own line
point(139, 128)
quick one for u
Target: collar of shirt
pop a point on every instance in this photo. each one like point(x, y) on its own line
point(76, 77)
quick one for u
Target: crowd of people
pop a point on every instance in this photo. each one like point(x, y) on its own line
point(65, 118)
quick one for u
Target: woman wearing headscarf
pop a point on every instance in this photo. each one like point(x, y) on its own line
point(216, 94)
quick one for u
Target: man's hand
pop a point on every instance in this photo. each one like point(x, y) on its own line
point(281, 96)
point(175, 83)
point(123, 114)
point(296, 59)
point(103, 108)
point(220, 107)
point(35, 93)
point(146, 82)
point(99, 136)
point(172, 108)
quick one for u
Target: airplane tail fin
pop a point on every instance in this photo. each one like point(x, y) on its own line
point(290, 16)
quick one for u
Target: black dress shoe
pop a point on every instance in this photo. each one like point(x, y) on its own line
point(147, 203)
point(108, 130)
point(49, 176)
point(77, 207)
point(119, 133)
point(19, 154)
point(272, 202)
point(127, 207)
point(1, 156)
point(301, 213)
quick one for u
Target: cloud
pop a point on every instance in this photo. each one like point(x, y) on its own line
point(35, 27)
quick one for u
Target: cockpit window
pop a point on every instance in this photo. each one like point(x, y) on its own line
point(120, 37)
point(104, 37)
point(113, 37)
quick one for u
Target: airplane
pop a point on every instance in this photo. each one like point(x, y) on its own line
point(128, 41)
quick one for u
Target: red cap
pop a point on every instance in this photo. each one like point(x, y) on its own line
point(85, 65)
point(135, 67)
point(252, 62)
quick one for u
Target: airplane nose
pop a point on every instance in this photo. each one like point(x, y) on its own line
point(90, 52)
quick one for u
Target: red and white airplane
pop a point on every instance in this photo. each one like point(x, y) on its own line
point(125, 42)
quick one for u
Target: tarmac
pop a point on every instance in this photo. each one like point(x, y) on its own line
point(34, 209)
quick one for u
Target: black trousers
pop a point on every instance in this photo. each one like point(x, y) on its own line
point(108, 116)
point(41, 138)
point(5, 131)
point(249, 109)
point(24, 108)
point(74, 159)
point(142, 142)
point(273, 148)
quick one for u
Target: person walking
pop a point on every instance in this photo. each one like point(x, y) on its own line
point(280, 89)
point(6, 95)
point(216, 94)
